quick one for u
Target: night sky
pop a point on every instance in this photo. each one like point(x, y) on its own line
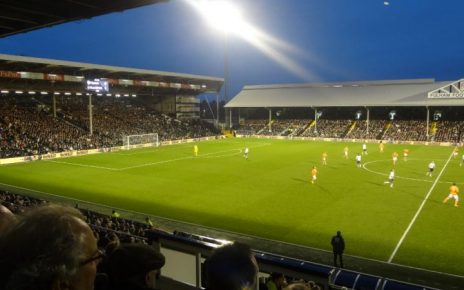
point(332, 40)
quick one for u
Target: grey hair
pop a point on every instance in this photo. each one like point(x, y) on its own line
point(43, 247)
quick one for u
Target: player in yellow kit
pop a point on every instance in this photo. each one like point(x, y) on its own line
point(381, 146)
point(195, 150)
point(324, 158)
point(405, 154)
point(345, 152)
point(455, 152)
point(395, 158)
point(454, 194)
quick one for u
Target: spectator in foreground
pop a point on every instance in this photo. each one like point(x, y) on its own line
point(303, 286)
point(276, 281)
point(7, 219)
point(231, 267)
point(50, 248)
point(298, 286)
point(134, 267)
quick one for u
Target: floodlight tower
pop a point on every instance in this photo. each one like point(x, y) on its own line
point(226, 18)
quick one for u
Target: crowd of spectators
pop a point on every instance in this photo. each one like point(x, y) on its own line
point(28, 127)
point(128, 262)
point(253, 126)
point(392, 130)
point(284, 127)
point(106, 226)
point(406, 130)
point(328, 129)
point(449, 131)
point(376, 128)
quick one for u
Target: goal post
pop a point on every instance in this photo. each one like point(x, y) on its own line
point(139, 141)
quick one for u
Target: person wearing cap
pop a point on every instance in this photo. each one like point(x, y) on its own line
point(134, 266)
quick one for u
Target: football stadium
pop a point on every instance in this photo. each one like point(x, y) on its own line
point(142, 159)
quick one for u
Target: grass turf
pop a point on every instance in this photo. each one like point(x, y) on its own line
point(270, 194)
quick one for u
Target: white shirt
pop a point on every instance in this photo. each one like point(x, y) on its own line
point(364, 146)
point(391, 175)
point(358, 158)
point(246, 150)
point(432, 165)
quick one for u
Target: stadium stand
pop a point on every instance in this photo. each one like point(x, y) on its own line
point(27, 126)
point(110, 231)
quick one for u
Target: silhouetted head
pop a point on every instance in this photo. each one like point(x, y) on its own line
point(231, 267)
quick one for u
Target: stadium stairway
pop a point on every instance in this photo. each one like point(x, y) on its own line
point(350, 128)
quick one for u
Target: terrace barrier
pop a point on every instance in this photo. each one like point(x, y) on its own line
point(197, 248)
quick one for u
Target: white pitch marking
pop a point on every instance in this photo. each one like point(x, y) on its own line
point(221, 230)
point(418, 211)
point(398, 176)
point(82, 165)
point(207, 155)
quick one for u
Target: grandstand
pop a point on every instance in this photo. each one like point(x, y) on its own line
point(382, 110)
point(48, 112)
point(46, 116)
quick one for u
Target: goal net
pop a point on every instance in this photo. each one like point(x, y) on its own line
point(139, 141)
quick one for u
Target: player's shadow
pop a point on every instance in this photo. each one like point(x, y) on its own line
point(301, 180)
point(376, 183)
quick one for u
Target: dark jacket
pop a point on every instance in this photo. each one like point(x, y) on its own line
point(338, 244)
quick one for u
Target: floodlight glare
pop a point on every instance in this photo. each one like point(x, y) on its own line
point(224, 16)
point(221, 15)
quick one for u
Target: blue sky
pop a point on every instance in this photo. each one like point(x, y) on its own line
point(337, 40)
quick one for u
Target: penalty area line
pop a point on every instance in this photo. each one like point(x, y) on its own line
point(418, 211)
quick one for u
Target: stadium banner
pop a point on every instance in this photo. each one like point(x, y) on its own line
point(14, 160)
point(71, 78)
point(65, 154)
point(10, 74)
point(54, 77)
point(458, 95)
point(75, 79)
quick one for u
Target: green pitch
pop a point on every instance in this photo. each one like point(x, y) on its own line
point(270, 194)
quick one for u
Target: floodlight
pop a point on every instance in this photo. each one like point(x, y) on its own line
point(221, 15)
point(392, 115)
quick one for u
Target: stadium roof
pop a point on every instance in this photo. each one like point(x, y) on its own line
point(49, 66)
point(18, 16)
point(345, 94)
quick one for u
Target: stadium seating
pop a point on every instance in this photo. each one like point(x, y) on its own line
point(27, 125)
point(109, 228)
